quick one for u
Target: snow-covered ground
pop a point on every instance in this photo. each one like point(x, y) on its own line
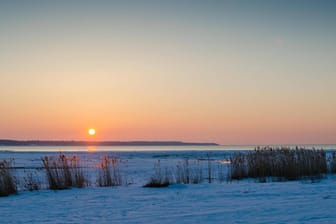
point(239, 202)
point(234, 202)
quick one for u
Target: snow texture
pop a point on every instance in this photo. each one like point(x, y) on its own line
point(228, 202)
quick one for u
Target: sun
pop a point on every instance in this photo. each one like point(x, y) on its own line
point(92, 131)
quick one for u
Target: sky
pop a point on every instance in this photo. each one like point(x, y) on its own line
point(231, 72)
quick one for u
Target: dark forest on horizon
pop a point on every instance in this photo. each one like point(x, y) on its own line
point(6, 142)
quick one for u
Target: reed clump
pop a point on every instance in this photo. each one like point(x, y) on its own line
point(31, 181)
point(7, 180)
point(332, 162)
point(188, 172)
point(109, 173)
point(238, 168)
point(160, 178)
point(279, 164)
point(221, 172)
point(64, 172)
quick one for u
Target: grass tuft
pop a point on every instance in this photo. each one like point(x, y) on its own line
point(109, 172)
point(332, 162)
point(160, 178)
point(64, 172)
point(7, 181)
point(188, 172)
point(31, 181)
point(279, 164)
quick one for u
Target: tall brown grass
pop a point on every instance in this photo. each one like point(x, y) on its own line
point(278, 164)
point(188, 172)
point(209, 168)
point(31, 181)
point(238, 168)
point(332, 162)
point(7, 180)
point(160, 178)
point(109, 173)
point(64, 172)
point(221, 175)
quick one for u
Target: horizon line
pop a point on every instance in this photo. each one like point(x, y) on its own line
point(12, 142)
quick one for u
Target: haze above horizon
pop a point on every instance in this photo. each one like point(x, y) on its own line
point(230, 72)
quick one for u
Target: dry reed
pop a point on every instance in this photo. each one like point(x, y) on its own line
point(109, 173)
point(64, 172)
point(279, 164)
point(159, 178)
point(188, 173)
point(7, 180)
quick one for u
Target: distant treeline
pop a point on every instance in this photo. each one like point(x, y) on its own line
point(6, 142)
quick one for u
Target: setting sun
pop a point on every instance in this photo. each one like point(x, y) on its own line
point(92, 131)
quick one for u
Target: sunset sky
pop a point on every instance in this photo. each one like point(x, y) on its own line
point(231, 72)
